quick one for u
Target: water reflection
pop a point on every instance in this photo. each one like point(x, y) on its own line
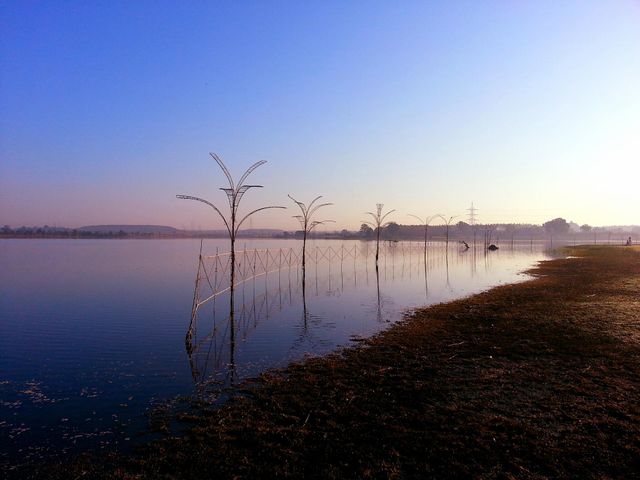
point(326, 294)
point(379, 302)
point(130, 308)
point(212, 358)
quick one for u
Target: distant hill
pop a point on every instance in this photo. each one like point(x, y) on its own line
point(252, 232)
point(130, 229)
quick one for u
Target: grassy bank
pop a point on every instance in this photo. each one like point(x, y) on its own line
point(534, 380)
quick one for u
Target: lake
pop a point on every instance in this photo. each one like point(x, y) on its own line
point(97, 334)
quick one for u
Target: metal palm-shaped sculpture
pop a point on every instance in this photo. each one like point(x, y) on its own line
point(306, 223)
point(234, 192)
point(378, 224)
point(447, 223)
point(426, 221)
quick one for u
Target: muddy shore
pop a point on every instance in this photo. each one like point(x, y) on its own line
point(534, 380)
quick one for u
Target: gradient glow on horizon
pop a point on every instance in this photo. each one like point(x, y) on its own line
point(529, 109)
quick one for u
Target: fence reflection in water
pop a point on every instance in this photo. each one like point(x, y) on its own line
point(270, 286)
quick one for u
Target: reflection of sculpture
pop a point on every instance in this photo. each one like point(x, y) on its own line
point(447, 267)
point(379, 303)
point(304, 302)
point(426, 281)
point(216, 352)
point(473, 264)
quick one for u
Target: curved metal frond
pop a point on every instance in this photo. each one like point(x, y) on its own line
point(243, 188)
point(314, 209)
point(230, 195)
point(198, 199)
point(302, 219)
point(301, 205)
point(241, 191)
point(251, 213)
point(314, 201)
point(386, 215)
point(376, 219)
point(307, 213)
point(319, 222)
point(249, 170)
point(417, 217)
point(447, 222)
point(426, 221)
point(224, 169)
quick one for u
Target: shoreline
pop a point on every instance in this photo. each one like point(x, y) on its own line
point(535, 379)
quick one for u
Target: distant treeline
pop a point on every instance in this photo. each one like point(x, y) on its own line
point(57, 232)
point(557, 228)
point(124, 231)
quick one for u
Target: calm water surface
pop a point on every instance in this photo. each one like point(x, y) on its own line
point(92, 332)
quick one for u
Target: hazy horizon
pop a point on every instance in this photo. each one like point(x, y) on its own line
point(529, 110)
point(330, 227)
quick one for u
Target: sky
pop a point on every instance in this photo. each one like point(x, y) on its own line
point(528, 109)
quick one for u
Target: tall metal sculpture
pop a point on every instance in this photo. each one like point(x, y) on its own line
point(447, 222)
point(234, 195)
point(306, 223)
point(378, 224)
point(426, 223)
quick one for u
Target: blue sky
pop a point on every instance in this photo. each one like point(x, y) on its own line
point(529, 109)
